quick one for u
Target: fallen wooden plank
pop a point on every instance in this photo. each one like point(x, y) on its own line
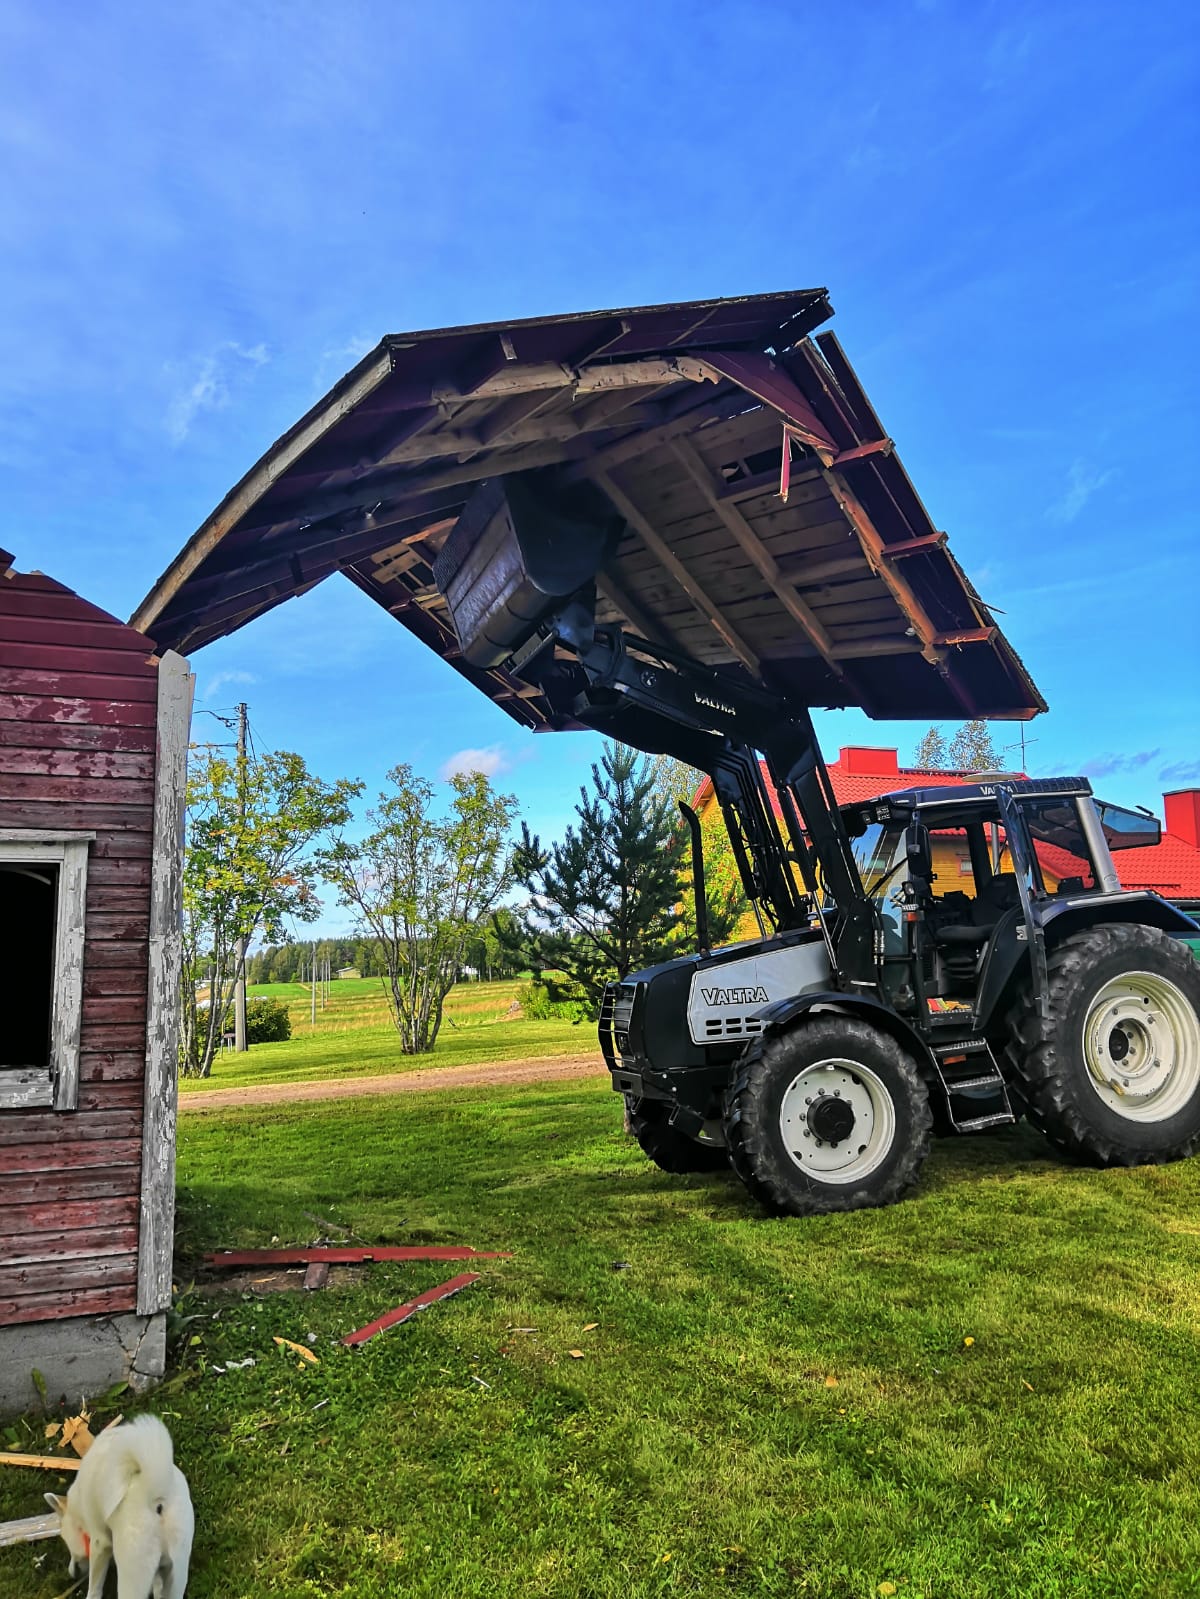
point(393, 1318)
point(46, 1462)
point(334, 1255)
point(28, 1530)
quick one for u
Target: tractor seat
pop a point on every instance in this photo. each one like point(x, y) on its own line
point(981, 914)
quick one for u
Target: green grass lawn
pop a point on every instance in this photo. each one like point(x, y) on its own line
point(353, 1036)
point(988, 1390)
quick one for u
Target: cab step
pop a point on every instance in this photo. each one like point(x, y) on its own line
point(970, 1054)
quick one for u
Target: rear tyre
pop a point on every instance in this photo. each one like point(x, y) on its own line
point(1111, 1073)
point(829, 1116)
point(667, 1147)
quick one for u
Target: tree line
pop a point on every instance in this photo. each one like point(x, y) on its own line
point(432, 888)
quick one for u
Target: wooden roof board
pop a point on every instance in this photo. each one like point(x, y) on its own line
point(652, 404)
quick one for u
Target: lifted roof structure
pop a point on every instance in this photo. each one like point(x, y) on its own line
point(769, 529)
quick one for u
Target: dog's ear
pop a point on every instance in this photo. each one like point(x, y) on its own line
point(57, 1503)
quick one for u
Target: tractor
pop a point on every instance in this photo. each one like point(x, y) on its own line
point(938, 960)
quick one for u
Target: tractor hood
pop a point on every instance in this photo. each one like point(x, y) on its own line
point(709, 476)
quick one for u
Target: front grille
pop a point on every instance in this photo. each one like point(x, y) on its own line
point(731, 1027)
point(616, 1011)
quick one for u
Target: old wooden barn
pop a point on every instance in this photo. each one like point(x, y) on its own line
point(93, 747)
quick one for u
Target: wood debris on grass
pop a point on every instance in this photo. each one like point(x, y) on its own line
point(10, 1457)
point(28, 1530)
point(335, 1255)
point(393, 1318)
point(299, 1349)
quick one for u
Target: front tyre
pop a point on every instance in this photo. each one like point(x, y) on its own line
point(1111, 1071)
point(667, 1147)
point(830, 1115)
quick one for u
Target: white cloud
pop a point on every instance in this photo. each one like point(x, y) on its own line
point(221, 679)
point(210, 389)
point(491, 762)
point(1082, 482)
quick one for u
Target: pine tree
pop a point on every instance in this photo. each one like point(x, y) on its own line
point(971, 749)
point(604, 899)
point(931, 751)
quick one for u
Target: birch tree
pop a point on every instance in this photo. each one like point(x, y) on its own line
point(248, 870)
point(423, 886)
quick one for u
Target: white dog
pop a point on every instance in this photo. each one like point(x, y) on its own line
point(130, 1503)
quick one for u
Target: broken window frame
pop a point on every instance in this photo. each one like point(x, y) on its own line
point(55, 1086)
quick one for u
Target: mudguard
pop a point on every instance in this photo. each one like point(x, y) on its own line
point(775, 1018)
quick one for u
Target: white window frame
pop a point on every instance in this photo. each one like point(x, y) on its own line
point(56, 1086)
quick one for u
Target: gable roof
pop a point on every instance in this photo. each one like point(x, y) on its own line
point(687, 418)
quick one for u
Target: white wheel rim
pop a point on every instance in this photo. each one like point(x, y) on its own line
point(866, 1146)
point(1141, 1044)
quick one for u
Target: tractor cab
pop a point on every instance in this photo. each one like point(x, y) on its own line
point(965, 881)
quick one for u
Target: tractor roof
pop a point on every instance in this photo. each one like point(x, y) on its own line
point(769, 527)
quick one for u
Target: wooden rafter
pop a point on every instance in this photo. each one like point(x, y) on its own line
point(667, 558)
point(903, 592)
point(753, 547)
point(619, 599)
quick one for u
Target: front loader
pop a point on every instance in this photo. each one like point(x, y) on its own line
point(945, 959)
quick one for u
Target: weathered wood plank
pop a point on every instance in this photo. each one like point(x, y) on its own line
point(157, 1238)
point(110, 1066)
point(104, 664)
point(73, 708)
point(109, 897)
point(40, 604)
point(114, 982)
point(49, 1305)
point(105, 870)
point(120, 1009)
point(49, 1154)
point(39, 1277)
point(40, 761)
point(128, 820)
point(55, 789)
point(66, 1185)
point(118, 924)
point(25, 1088)
point(21, 1221)
point(113, 1035)
point(76, 632)
point(82, 685)
point(115, 952)
point(65, 1244)
point(102, 1095)
point(82, 736)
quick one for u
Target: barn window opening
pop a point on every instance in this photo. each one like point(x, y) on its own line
point(28, 909)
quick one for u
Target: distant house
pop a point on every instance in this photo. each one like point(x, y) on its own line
point(1170, 868)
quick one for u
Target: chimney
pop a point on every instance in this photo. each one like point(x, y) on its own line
point(1182, 812)
point(860, 760)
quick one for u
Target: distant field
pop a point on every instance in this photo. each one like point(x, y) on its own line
point(354, 1035)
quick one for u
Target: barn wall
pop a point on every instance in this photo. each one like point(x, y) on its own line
point(78, 693)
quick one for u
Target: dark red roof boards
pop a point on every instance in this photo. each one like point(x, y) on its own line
point(687, 417)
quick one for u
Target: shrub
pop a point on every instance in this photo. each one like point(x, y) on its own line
point(553, 997)
point(268, 1021)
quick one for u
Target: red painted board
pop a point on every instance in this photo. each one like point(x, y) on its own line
point(393, 1318)
point(336, 1256)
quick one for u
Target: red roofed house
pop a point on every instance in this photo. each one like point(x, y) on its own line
point(1170, 868)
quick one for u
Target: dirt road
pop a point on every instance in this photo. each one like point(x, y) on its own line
point(496, 1074)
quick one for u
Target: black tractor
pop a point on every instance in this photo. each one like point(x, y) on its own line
point(944, 959)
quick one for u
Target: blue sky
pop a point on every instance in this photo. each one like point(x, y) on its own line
point(209, 211)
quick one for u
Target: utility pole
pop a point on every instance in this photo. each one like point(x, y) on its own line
point(313, 1021)
point(239, 992)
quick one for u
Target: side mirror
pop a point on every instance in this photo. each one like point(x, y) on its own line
point(918, 851)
